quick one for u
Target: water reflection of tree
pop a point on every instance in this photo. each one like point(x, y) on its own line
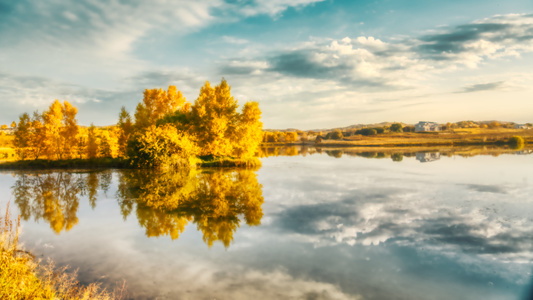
point(52, 197)
point(167, 202)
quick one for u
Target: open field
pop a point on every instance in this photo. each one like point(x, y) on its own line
point(466, 136)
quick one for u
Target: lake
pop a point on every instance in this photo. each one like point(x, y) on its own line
point(306, 225)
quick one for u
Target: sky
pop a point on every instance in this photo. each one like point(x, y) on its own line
point(309, 63)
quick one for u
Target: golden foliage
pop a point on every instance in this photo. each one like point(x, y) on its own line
point(52, 123)
point(125, 128)
point(23, 136)
point(92, 142)
point(291, 136)
point(155, 104)
point(167, 131)
point(53, 133)
point(162, 147)
point(249, 131)
point(108, 144)
point(220, 130)
point(214, 118)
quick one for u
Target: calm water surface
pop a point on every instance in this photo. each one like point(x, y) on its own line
point(323, 226)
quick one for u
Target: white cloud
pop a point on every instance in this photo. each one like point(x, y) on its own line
point(234, 40)
point(273, 7)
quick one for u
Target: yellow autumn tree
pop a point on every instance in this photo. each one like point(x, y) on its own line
point(23, 134)
point(219, 128)
point(81, 142)
point(54, 132)
point(291, 136)
point(125, 128)
point(213, 117)
point(92, 142)
point(108, 145)
point(162, 147)
point(155, 104)
point(69, 130)
point(249, 133)
point(38, 136)
point(53, 144)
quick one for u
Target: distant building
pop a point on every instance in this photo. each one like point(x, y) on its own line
point(524, 152)
point(521, 126)
point(427, 156)
point(427, 126)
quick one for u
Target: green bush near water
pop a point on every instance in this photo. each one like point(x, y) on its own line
point(516, 142)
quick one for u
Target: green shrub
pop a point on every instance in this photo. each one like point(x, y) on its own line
point(397, 157)
point(335, 135)
point(367, 131)
point(396, 127)
point(516, 142)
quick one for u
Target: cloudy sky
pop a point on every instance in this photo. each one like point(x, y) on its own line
point(309, 63)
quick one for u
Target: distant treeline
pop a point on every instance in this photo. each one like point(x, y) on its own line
point(338, 134)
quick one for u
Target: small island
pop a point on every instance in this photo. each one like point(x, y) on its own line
point(166, 132)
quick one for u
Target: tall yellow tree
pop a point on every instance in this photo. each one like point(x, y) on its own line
point(81, 142)
point(38, 136)
point(69, 130)
point(92, 142)
point(214, 118)
point(108, 143)
point(53, 118)
point(249, 131)
point(61, 129)
point(157, 103)
point(125, 128)
point(23, 136)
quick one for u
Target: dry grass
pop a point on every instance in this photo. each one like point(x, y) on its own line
point(7, 154)
point(466, 136)
point(22, 277)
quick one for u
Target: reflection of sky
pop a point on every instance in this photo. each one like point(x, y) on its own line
point(349, 228)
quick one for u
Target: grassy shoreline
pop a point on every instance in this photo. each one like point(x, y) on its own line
point(24, 277)
point(463, 137)
point(118, 163)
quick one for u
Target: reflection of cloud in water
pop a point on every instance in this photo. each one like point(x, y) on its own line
point(470, 218)
point(258, 285)
point(486, 188)
point(371, 219)
point(460, 222)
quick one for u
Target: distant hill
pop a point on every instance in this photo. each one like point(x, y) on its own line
point(383, 124)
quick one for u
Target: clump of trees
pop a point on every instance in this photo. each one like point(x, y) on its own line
point(335, 135)
point(516, 142)
point(165, 132)
point(52, 134)
point(211, 127)
point(367, 131)
point(396, 127)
